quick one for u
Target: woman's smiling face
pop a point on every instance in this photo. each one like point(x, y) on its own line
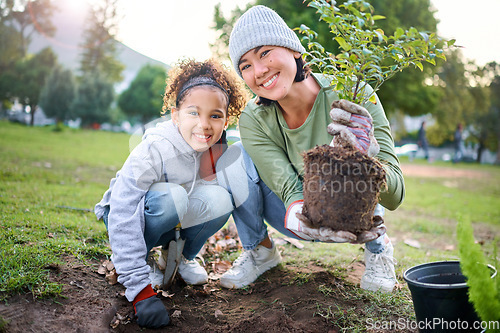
point(202, 117)
point(269, 71)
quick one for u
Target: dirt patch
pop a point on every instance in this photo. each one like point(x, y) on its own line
point(277, 302)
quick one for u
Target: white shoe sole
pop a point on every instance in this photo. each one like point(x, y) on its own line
point(373, 286)
point(232, 284)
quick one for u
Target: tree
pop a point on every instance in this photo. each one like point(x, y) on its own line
point(99, 47)
point(58, 94)
point(408, 91)
point(28, 17)
point(484, 121)
point(143, 97)
point(93, 99)
point(10, 46)
point(19, 19)
point(223, 27)
point(495, 107)
point(456, 99)
point(31, 74)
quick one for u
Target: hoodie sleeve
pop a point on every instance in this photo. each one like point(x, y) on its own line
point(126, 217)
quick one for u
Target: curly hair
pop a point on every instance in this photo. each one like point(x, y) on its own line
point(188, 69)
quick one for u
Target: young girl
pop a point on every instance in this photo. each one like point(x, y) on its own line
point(160, 184)
point(289, 116)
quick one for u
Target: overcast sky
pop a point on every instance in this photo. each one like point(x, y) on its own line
point(167, 30)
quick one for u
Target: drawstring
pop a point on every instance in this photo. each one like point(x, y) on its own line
point(194, 178)
point(212, 160)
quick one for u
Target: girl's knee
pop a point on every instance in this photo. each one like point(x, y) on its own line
point(165, 198)
point(211, 201)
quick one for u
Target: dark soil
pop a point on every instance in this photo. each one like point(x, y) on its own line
point(341, 188)
point(278, 302)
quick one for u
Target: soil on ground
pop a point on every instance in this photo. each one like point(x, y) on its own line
point(275, 303)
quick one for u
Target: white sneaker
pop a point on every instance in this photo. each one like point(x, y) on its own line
point(192, 272)
point(379, 272)
point(249, 266)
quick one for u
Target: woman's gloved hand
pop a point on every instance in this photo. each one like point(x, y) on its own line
point(352, 124)
point(149, 309)
point(294, 221)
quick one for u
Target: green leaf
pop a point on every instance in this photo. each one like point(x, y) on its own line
point(343, 44)
point(378, 17)
point(373, 99)
point(399, 32)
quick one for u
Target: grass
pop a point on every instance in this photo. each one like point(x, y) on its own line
point(42, 171)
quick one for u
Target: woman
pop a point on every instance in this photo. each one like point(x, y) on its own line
point(289, 115)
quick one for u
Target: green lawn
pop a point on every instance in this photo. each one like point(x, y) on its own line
point(42, 172)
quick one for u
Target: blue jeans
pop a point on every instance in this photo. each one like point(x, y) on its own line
point(254, 202)
point(203, 213)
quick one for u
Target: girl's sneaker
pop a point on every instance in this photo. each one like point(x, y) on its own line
point(192, 272)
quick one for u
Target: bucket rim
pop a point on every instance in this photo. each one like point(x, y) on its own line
point(439, 285)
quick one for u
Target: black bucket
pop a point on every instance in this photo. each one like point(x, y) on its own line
point(439, 293)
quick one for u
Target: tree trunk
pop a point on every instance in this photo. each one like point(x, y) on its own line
point(480, 150)
point(497, 161)
point(32, 115)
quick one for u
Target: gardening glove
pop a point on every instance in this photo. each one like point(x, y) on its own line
point(210, 157)
point(378, 230)
point(294, 221)
point(149, 309)
point(352, 124)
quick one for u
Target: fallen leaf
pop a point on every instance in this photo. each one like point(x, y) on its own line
point(74, 283)
point(208, 289)
point(165, 293)
point(294, 242)
point(109, 265)
point(413, 243)
point(50, 235)
point(101, 270)
point(114, 323)
point(218, 313)
point(221, 266)
point(112, 277)
point(279, 241)
point(176, 314)
point(218, 247)
point(449, 247)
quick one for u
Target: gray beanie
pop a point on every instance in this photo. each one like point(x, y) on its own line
point(260, 26)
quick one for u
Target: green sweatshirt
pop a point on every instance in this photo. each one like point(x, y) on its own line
point(276, 149)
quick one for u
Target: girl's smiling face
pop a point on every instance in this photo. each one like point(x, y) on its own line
point(201, 117)
point(269, 71)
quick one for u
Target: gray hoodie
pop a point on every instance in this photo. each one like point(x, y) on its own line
point(162, 156)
